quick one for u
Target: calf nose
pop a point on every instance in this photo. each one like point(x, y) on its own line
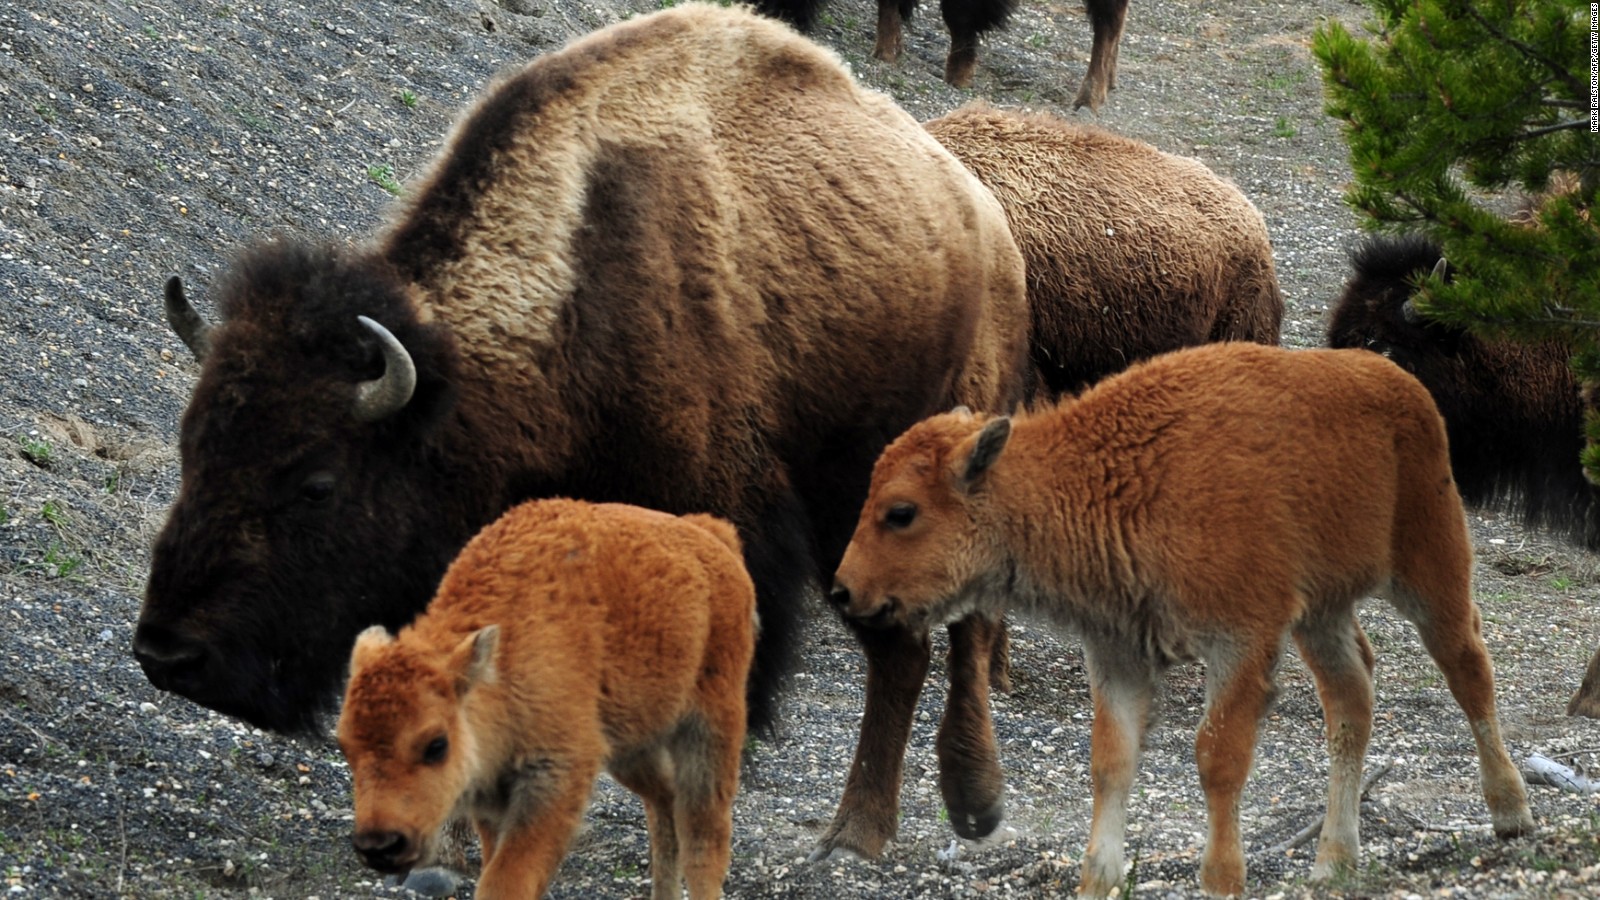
point(383, 850)
point(171, 662)
point(839, 597)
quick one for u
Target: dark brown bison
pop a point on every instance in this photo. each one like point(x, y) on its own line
point(1130, 251)
point(684, 263)
point(1514, 410)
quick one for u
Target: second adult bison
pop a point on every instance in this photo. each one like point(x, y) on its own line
point(1130, 251)
point(1514, 410)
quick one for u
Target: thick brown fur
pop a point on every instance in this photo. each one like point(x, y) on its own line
point(685, 263)
point(568, 637)
point(1205, 504)
point(1130, 252)
point(1514, 410)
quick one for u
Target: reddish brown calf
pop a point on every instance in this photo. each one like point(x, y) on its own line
point(1202, 505)
point(567, 637)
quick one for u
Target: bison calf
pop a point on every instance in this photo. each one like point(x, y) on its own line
point(566, 637)
point(1202, 505)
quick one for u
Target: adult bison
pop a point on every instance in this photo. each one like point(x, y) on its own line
point(1130, 251)
point(684, 263)
point(1513, 410)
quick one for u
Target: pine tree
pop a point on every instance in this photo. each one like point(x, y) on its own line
point(1449, 105)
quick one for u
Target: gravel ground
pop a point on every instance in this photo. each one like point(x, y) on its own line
point(147, 138)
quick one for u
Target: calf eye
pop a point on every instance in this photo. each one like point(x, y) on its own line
point(318, 487)
point(435, 752)
point(900, 516)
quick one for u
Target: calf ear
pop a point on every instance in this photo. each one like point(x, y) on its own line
point(986, 449)
point(368, 643)
point(473, 661)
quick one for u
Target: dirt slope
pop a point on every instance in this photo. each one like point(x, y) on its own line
point(147, 138)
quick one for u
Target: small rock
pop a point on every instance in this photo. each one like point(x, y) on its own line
point(147, 708)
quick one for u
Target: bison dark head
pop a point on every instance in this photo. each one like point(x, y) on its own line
point(1376, 310)
point(311, 503)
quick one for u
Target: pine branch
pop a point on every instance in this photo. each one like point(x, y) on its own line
point(1551, 129)
point(1561, 72)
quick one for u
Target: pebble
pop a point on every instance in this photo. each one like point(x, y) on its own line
point(147, 708)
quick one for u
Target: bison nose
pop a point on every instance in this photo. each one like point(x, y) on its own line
point(382, 850)
point(172, 663)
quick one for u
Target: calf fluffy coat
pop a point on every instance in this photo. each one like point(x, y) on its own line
point(1201, 505)
point(566, 637)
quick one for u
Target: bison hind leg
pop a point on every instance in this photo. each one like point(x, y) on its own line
point(1586, 702)
point(1336, 651)
point(704, 754)
point(1108, 18)
point(650, 775)
point(1447, 620)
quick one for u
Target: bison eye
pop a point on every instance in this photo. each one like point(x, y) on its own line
point(318, 487)
point(900, 516)
point(434, 753)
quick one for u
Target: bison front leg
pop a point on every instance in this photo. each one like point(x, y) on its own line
point(969, 761)
point(897, 665)
point(1122, 686)
point(522, 858)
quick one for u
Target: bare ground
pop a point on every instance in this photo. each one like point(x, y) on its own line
point(146, 138)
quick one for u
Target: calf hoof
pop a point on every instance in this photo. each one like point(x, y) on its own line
point(432, 882)
point(1092, 94)
point(975, 826)
point(1514, 824)
point(1222, 879)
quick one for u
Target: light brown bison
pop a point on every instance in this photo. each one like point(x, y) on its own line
point(685, 263)
point(1514, 410)
point(568, 637)
point(1204, 504)
point(1130, 252)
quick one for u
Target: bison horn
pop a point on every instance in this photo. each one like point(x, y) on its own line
point(388, 394)
point(192, 328)
point(1408, 312)
point(1441, 269)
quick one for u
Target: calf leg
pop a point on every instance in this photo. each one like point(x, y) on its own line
point(1107, 17)
point(969, 761)
point(1586, 702)
point(897, 666)
point(1238, 689)
point(523, 856)
point(1440, 605)
point(1336, 651)
point(706, 763)
point(1123, 688)
point(649, 775)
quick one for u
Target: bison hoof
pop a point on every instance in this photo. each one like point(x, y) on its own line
point(434, 882)
point(977, 826)
point(825, 853)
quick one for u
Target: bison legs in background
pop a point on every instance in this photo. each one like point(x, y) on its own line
point(1586, 702)
point(1107, 17)
point(965, 19)
point(969, 767)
